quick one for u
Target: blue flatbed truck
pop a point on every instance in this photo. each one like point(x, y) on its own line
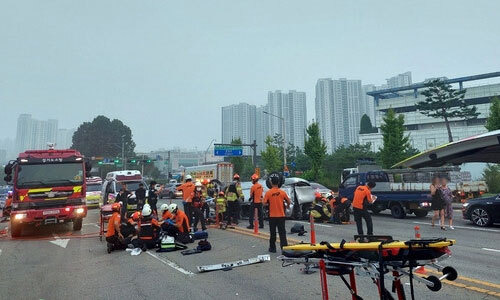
point(400, 203)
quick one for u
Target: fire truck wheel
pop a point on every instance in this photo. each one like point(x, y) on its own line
point(16, 230)
point(77, 224)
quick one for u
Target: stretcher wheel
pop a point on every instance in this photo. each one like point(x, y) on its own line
point(437, 283)
point(451, 273)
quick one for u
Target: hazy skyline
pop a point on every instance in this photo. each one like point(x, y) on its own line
point(165, 69)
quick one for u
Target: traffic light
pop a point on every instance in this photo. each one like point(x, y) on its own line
point(133, 161)
point(117, 161)
point(148, 161)
point(99, 162)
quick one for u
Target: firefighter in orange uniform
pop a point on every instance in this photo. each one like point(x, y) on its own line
point(362, 198)
point(276, 199)
point(114, 236)
point(256, 192)
point(187, 189)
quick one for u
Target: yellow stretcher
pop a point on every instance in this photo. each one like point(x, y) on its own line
point(378, 258)
point(367, 246)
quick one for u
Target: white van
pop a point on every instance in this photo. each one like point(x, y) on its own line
point(113, 183)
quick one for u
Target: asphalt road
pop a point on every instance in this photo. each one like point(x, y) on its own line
point(55, 263)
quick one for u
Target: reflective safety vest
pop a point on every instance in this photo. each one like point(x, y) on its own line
point(220, 202)
point(232, 192)
point(147, 231)
point(204, 191)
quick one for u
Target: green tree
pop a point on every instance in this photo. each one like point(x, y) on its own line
point(444, 102)
point(396, 145)
point(366, 125)
point(493, 121)
point(103, 137)
point(491, 174)
point(315, 149)
point(270, 157)
point(290, 149)
point(237, 161)
point(345, 157)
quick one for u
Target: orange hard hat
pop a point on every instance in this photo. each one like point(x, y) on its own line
point(136, 216)
point(255, 177)
point(116, 206)
point(205, 181)
point(221, 193)
point(318, 195)
point(236, 176)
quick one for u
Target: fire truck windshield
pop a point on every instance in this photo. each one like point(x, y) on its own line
point(42, 175)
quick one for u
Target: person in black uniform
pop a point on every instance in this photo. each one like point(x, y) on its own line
point(140, 195)
point(153, 197)
point(122, 197)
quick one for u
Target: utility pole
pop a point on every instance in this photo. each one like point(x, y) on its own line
point(142, 169)
point(284, 136)
point(123, 153)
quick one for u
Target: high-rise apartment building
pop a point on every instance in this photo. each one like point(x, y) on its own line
point(250, 123)
point(291, 107)
point(35, 134)
point(238, 121)
point(338, 111)
point(399, 80)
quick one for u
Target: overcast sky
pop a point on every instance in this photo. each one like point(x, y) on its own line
point(166, 67)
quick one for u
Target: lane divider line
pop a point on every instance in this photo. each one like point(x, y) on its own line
point(489, 249)
point(171, 264)
point(463, 227)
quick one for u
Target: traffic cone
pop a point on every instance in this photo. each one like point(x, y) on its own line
point(313, 231)
point(421, 270)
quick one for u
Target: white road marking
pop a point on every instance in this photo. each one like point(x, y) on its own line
point(91, 224)
point(61, 242)
point(462, 227)
point(171, 264)
point(486, 249)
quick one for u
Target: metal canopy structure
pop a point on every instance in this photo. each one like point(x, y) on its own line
point(480, 148)
point(390, 93)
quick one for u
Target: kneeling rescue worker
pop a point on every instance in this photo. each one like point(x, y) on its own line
point(114, 237)
point(178, 227)
point(276, 198)
point(149, 229)
point(340, 207)
point(320, 210)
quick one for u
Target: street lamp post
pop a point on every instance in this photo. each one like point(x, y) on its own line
point(284, 136)
point(124, 163)
point(206, 151)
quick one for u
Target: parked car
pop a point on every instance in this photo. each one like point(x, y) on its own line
point(170, 191)
point(299, 190)
point(482, 211)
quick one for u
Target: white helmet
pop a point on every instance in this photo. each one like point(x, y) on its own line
point(198, 184)
point(164, 207)
point(146, 210)
point(188, 177)
point(172, 208)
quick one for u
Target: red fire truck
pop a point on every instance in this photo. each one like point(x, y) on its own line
point(49, 187)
